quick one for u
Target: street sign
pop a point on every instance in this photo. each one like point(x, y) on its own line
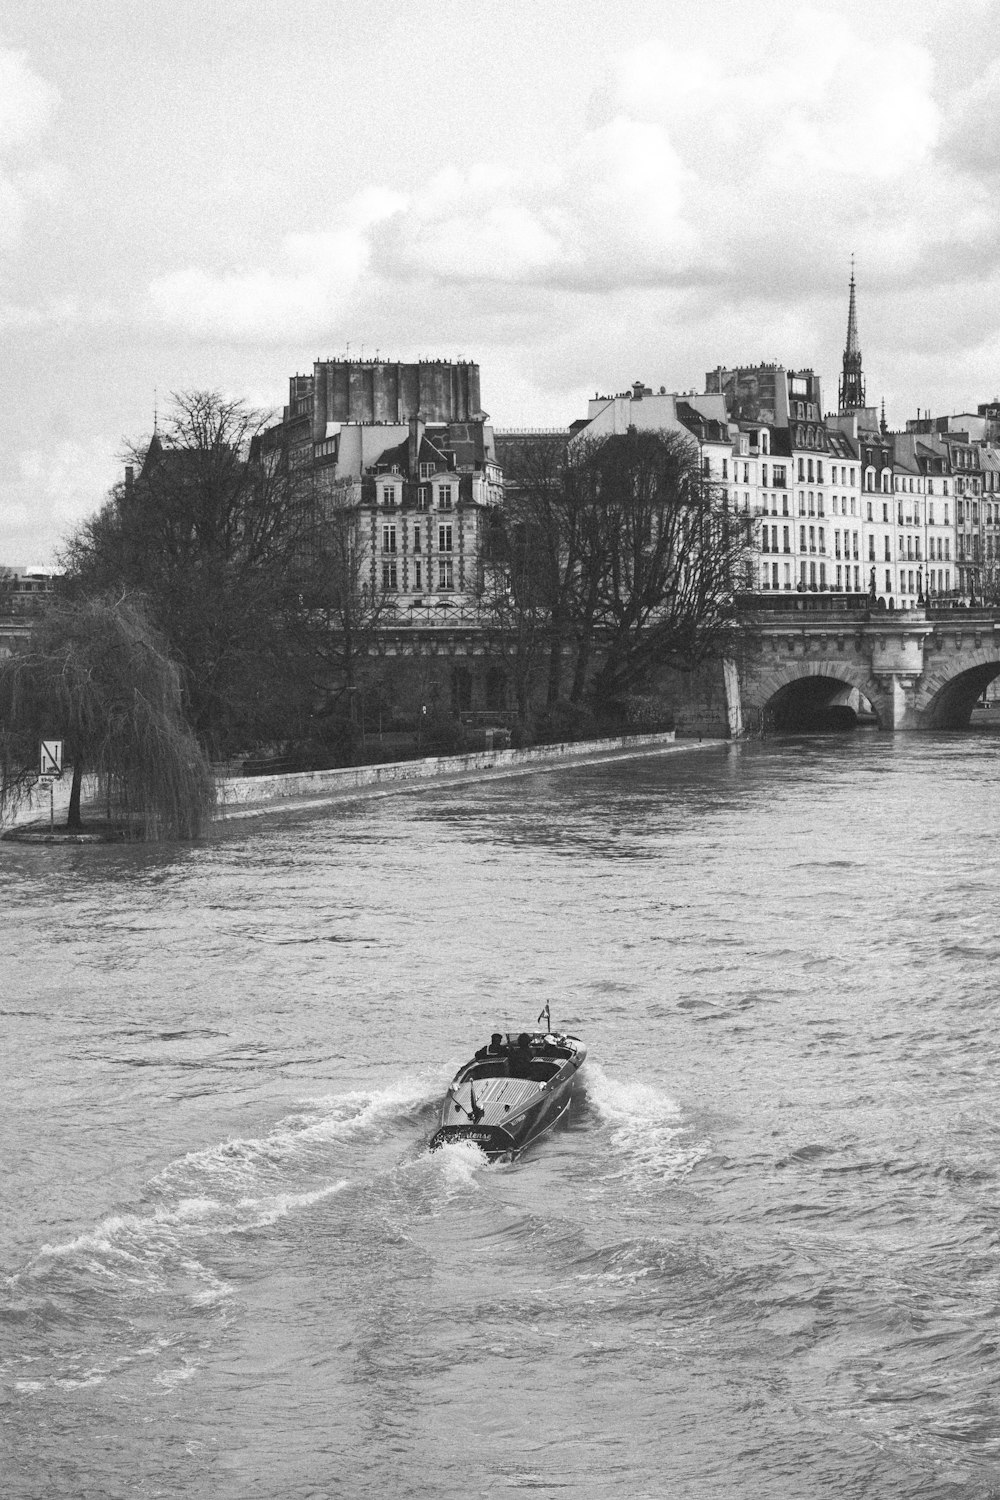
point(51, 757)
point(45, 782)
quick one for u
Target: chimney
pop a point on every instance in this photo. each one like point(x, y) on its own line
point(416, 437)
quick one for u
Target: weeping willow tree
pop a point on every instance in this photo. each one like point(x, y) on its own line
point(94, 674)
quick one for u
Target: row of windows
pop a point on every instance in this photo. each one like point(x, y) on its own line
point(811, 576)
point(811, 503)
point(814, 575)
point(967, 513)
point(908, 485)
point(445, 539)
point(445, 492)
point(811, 539)
point(445, 575)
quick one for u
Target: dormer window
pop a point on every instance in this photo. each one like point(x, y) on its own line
point(426, 471)
point(444, 496)
point(389, 495)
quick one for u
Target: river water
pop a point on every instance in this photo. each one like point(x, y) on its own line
point(762, 1260)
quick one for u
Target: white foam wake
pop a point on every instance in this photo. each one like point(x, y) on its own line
point(139, 1245)
point(647, 1129)
point(240, 1163)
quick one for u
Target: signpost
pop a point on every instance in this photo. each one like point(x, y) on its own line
point(50, 770)
point(51, 758)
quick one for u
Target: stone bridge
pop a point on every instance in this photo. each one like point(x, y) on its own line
point(921, 668)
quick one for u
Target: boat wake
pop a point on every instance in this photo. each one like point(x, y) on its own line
point(646, 1130)
point(168, 1257)
point(302, 1140)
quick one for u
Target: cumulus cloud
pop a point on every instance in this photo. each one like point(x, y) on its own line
point(308, 291)
point(27, 104)
point(972, 141)
point(751, 180)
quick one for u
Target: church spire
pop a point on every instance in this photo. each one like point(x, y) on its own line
point(852, 383)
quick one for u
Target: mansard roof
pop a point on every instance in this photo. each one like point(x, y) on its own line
point(840, 445)
point(709, 429)
point(398, 456)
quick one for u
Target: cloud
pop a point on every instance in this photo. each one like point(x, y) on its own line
point(972, 141)
point(65, 483)
point(752, 182)
point(307, 293)
point(27, 105)
point(48, 491)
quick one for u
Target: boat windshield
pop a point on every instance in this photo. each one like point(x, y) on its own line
point(537, 1068)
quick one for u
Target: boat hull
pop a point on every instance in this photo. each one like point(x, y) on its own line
point(504, 1099)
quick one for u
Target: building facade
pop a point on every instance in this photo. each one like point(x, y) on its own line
point(406, 453)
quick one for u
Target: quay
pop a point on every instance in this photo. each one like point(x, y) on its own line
point(254, 796)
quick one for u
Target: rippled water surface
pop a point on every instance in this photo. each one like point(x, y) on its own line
point(762, 1260)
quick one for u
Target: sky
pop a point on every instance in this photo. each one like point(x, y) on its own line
point(577, 194)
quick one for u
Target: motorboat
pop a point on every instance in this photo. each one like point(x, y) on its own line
point(511, 1092)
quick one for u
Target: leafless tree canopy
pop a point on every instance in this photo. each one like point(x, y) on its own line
point(614, 556)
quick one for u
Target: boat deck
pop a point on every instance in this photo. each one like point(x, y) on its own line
point(498, 1098)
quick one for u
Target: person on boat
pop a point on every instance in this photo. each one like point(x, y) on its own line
point(520, 1053)
point(495, 1048)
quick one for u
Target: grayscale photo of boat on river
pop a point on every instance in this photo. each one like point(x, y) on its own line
point(758, 1258)
point(499, 750)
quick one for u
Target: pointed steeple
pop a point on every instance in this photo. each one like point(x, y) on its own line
point(852, 384)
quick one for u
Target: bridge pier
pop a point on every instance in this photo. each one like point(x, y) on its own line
point(895, 703)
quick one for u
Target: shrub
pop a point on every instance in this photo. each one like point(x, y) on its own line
point(638, 713)
point(566, 721)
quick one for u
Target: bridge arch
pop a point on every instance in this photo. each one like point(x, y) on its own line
point(946, 697)
point(787, 691)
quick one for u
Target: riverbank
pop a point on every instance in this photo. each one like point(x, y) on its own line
point(243, 797)
point(254, 796)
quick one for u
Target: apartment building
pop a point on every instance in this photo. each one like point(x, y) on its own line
point(406, 451)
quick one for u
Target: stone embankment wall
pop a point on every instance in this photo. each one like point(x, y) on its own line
point(240, 791)
point(698, 699)
point(244, 791)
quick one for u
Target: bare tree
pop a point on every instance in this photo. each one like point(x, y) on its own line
point(514, 619)
point(673, 555)
point(336, 613)
point(620, 556)
point(554, 524)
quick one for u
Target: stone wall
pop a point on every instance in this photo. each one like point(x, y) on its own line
point(239, 791)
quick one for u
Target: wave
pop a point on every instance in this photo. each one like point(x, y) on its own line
point(647, 1130)
point(128, 1239)
point(337, 1118)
